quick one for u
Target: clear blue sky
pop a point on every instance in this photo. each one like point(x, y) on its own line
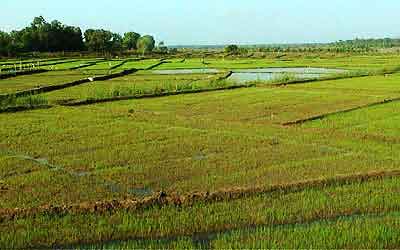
point(218, 21)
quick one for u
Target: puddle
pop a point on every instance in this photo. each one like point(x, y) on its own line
point(185, 71)
point(142, 192)
point(265, 74)
point(248, 77)
point(40, 161)
point(82, 174)
point(139, 192)
point(113, 187)
point(199, 157)
point(305, 70)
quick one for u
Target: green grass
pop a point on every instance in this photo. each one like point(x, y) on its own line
point(62, 64)
point(106, 65)
point(25, 101)
point(354, 62)
point(263, 219)
point(135, 84)
point(37, 80)
point(366, 232)
point(31, 65)
point(374, 85)
point(204, 142)
point(379, 122)
point(143, 64)
point(68, 65)
point(195, 142)
point(138, 85)
point(20, 83)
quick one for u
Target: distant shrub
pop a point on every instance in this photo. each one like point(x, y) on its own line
point(232, 49)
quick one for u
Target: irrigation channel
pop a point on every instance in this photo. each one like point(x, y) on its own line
point(259, 74)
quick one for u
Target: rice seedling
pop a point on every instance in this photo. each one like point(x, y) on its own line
point(234, 223)
point(202, 143)
point(29, 101)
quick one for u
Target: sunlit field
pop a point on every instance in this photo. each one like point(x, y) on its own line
point(135, 157)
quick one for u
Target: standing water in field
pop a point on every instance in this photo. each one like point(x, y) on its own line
point(185, 71)
point(296, 70)
point(262, 74)
point(267, 74)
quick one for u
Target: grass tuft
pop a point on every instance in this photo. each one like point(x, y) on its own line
point(29, 101)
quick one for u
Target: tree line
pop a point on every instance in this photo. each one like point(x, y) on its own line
point(43, 36)
point(349, 46)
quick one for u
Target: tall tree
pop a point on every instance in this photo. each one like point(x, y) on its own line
point(234, 49)
point(146, 44)
point(39, 34)
point(162, 48)
point(43, 36)
point(98, 40)
point(130, 40)
point(5, 43)
point(48, 37)
point(116, 42)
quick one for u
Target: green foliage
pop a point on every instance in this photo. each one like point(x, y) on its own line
point(235, 50)
point(146, 44)
point(130, 40)
point(116, 42)
point(232, 49)
point(25, 101)
point(101, 40)
point(162, 48)
point(5, 43)
point(44, 36)
point(365, 44)
point(349, 46)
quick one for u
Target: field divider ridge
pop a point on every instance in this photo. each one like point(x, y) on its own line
point(31, 61)
point(161, 198)
point(323, 116)
point(334, 78)
point(15, 109)
point(305, 81)
point(46, 64)
point(31, 72)
point(50, 88)
point(156, 65)
point(158, 95)
point(88, 64)
point(22, 73)
point(40, 63)
point(119, 64)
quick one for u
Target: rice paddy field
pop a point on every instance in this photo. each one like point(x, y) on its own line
point(134, 158)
